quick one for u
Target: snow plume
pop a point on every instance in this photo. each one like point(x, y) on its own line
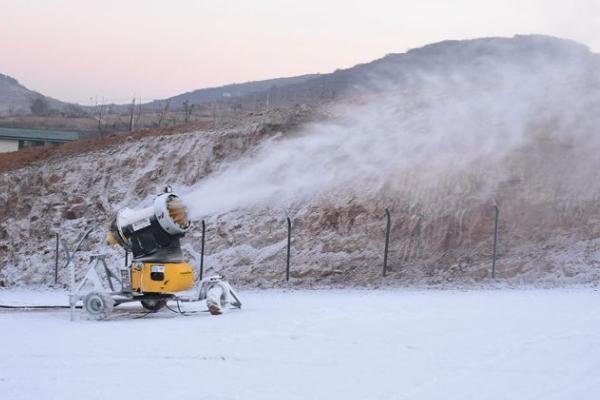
point(427, 121)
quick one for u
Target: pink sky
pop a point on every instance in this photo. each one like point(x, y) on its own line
point(75, 50)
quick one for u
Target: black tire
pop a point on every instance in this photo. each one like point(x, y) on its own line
point(98, 305)
point(153, 305)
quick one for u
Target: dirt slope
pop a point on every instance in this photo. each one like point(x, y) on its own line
point(336, 241)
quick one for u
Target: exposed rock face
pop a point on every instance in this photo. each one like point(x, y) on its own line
point(442, 211)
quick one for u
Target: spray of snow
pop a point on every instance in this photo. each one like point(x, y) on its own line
point(419, 131)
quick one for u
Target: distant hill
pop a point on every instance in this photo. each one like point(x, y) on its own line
point(16, 99)
point(412, 70)
point(398, 71)
point(230, 92)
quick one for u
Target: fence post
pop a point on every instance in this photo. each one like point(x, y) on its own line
point(387, 241)
point(497, 212)
point(56, 260)
point(289, 240)
point(202, 250)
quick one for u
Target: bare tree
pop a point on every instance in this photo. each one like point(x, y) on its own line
point(132, 112)
point(163, 113)
point(187, 109)
point(39, 106)
point(100, 114)
point(139, 114)
point(214, 113)
point(268, 102)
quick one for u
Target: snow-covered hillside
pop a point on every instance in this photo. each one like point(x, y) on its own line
point(439, 136)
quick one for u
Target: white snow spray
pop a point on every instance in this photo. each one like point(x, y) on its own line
point(419, 131)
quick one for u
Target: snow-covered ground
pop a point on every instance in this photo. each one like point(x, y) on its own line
point(359, 344)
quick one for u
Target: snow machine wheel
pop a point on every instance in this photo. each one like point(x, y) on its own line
point(98, 305)
point(153, 305)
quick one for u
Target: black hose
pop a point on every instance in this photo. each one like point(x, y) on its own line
point(11, 307)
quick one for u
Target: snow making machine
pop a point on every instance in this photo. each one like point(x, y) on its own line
point(158, 271)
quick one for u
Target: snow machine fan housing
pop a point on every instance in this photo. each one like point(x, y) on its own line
point(152, 230)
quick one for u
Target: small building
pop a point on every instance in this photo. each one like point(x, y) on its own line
point(13, 139)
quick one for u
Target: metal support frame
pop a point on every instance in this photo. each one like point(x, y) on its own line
point(387, 240)
point(494, 253)
point(93, 276)
point(289, 246)
point(228, 292)
point(69, 254)
point(69, 262)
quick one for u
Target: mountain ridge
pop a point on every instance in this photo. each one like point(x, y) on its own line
point(287, 91)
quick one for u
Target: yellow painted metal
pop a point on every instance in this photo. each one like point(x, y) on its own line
point(150, 277)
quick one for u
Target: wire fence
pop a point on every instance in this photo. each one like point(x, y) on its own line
point(387, 223)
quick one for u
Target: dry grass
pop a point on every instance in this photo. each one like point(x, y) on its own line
point(25, 157)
